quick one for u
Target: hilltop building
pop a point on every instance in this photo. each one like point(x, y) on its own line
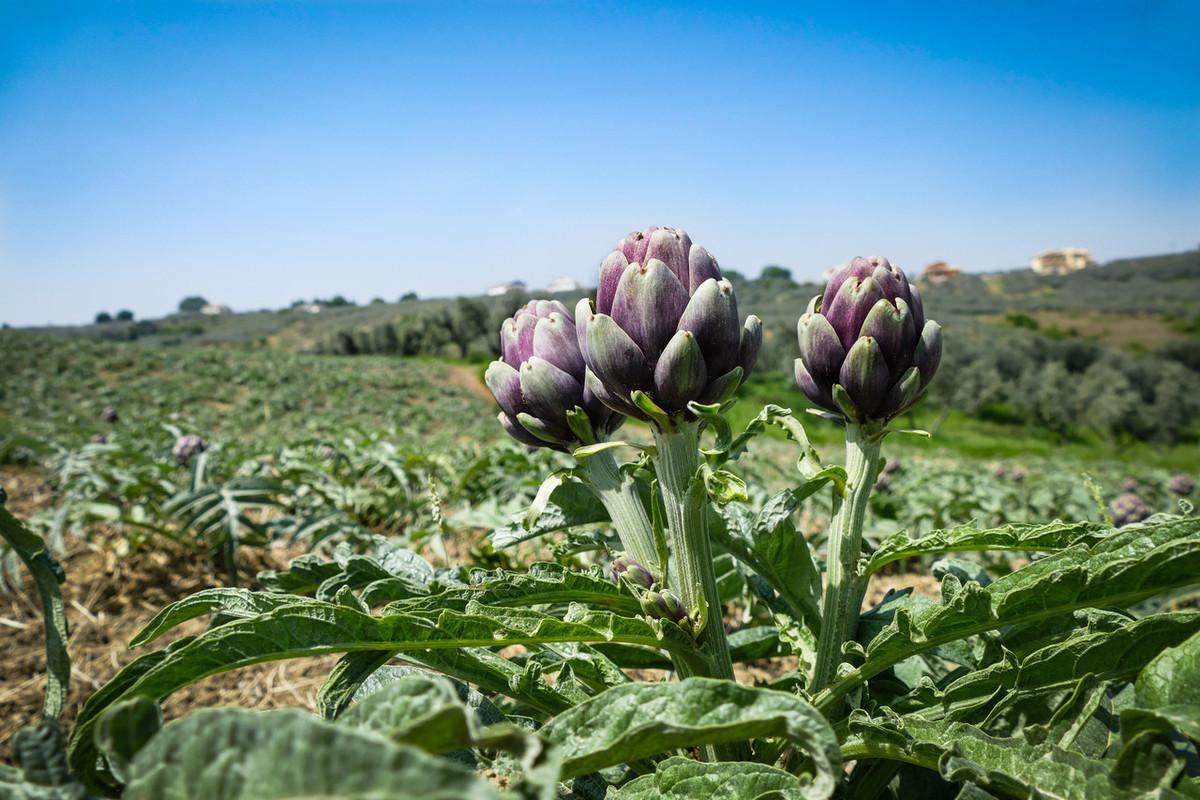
point(1061, 262)
point(940, 272)
point(501, 289)
point(214, 309)
point(563, 285)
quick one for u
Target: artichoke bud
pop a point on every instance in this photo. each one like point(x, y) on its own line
point(666, 605)
point(1181, 484)
point(540, 381)
point(633, 573)
point(110, 415)
point(186, 447)
point(866, 349)
point(1127, 509)
point(665, 324)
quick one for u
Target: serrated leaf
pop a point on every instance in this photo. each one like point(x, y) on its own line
point(570, 504)
point(289, 755)
point(640, 720)
point(1130, 565)
point(683, 779)
point(1046, 537)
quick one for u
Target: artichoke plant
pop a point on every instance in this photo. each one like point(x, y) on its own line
point(1127, 509)
point(664, 324)
point(1181, 484)
point(866, 350)
point(539, 381)
point(188, 446)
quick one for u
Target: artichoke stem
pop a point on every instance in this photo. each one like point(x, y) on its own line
point(843, 586)
point(618, 494)
point(686, 504)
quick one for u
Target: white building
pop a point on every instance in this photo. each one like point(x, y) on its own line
point(1061, 262)
point(214, 309)
point(504, 288)
point(563, 285)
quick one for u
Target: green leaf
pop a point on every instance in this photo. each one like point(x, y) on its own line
point(125, 729)
point(771, 546)
point(289, 755)
point(545, 583)
point(1007, 766)
point(568, 504)
point(640, 720)
point(1130, 565)
point(1167, 693)
point(680, 778)
point(309, 628)
point(1048, 537)
point(47, 574)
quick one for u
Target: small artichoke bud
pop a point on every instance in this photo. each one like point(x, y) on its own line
point(866, 350)
point(1127, 509)
point(326, 452)
point(1018, 474)
point(665, 323)
point(883, 482)
point(666, 605)
point(1000, 472)
point(540, 383)
point(891, 466)
point(188, 446)
point(99, 438)
point(1130, 485)
point(633, 572)
point(1182, 484)
point(109, 415)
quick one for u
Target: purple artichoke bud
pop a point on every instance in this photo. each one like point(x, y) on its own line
point(866, 349)
point(1130, 485)
point(666, 605)
point(1019, 474)
point(633, 572)
point(665, 323)
point(188, 446)
point(1182, 484)
point(99, 438)
point(892, 466)
point(1127, 509)
point(326, 452)
point(883, 482)
point(1000, 472)
point(540, 381)
point(109, 415)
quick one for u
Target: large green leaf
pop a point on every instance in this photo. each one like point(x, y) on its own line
point(1167, 693)
point(1128, 566)
point(1042, 537)
point(289, 755)
point(771, 546)
point(545, 583)
point(639, 720)
point(680, 778)
point(1109, 655)
point(562, 503)
point(47, 575)
point(309, 628)
point(1007, 766)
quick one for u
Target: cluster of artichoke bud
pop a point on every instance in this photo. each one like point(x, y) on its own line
point(1127, 509)
point(1181, 484)
point(632, 572)
point(866, 350)
point(664, 324)
point(188, 446)
point(109, 415)
point(539, 381)
point(665, 604)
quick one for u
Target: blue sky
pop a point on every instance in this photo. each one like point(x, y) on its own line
point(259, 152)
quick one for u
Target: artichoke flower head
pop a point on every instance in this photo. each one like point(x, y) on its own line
point(866, 350)
point(664, 330)
point(538, 381)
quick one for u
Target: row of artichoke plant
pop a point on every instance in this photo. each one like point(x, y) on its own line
point(663, 342)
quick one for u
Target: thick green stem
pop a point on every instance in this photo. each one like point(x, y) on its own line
point(843, 585)
point(686, 504)
point(618, 494)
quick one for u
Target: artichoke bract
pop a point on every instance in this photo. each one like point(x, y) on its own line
point(539, 381)
point(866, 350)
point(664, 323)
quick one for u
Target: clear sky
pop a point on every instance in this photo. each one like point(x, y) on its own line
point(259, 152)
